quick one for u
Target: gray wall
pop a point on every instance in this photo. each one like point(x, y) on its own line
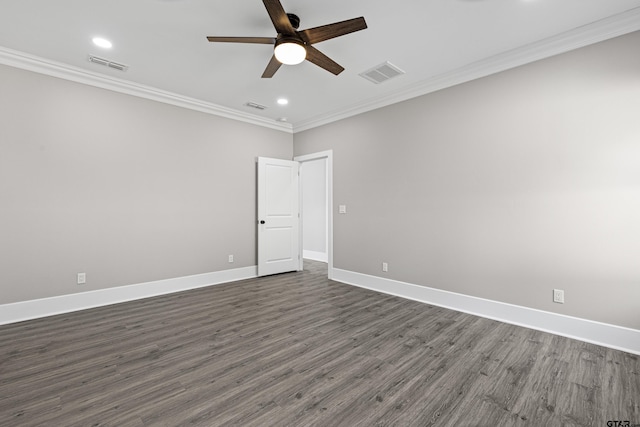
point(314, 205)
point(502, 188)
point(124, 189)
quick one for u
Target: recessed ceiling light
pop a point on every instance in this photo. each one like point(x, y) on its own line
point(283, 101)
point(104, 43)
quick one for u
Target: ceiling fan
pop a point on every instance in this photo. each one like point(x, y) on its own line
point(293, 46)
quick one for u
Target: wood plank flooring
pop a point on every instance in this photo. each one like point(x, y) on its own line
point(299, 350)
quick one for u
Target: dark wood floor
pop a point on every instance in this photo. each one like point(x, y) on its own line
point(299, 350)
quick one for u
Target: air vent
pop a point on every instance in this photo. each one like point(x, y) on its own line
point(256, 106)
point(107, 63)
point(382, 72)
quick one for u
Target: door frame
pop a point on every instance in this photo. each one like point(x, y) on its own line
point(328, 155)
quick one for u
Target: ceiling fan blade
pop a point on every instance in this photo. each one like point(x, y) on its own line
point(323, 61)
point(259, 40)
point(279, 17)
point(271, 69)
point(337, 29)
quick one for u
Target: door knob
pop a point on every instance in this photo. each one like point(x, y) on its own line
point(262, 221)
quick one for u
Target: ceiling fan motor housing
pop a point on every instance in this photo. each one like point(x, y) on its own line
point(294, 19)
point(281, 38)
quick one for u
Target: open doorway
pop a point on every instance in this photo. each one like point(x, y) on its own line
point(315, 231)
point(316, 196)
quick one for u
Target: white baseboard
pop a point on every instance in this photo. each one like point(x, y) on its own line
point(612, 336)
point(33, 309)
point(314, 256)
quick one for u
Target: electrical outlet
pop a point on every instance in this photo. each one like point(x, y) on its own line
point(558, 296)
point(82, 278)
point(230, 258)
point(385, 266)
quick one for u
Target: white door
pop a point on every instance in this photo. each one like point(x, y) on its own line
point(278, 216)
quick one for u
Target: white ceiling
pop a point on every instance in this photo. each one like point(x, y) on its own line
point(437, 43)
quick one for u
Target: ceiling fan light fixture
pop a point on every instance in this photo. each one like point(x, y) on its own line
point(290, 51)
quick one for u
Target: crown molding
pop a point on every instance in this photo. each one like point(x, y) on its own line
point(613, 26)
point(25, 61)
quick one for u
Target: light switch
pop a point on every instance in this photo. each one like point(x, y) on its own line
point(342, 209)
